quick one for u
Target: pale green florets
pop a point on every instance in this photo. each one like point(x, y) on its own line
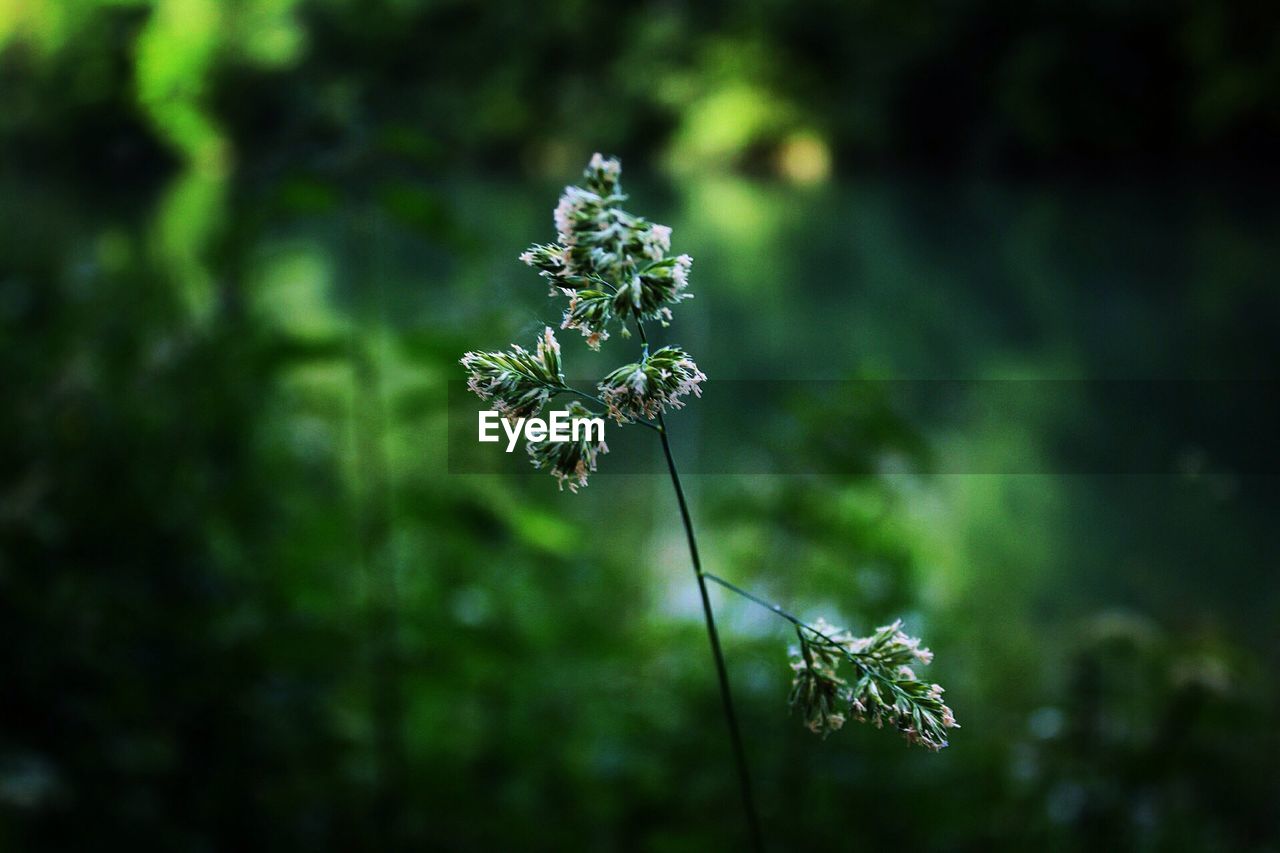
point(518, 382)
point(881, 688)
point(652, 385)
point(613, 266)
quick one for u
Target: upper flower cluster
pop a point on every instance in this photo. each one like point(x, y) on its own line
point(883, 687)
point(616, 269)
point(613, 266)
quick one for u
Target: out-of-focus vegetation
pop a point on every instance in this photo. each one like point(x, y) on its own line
point(245, 604)
point(777, 84)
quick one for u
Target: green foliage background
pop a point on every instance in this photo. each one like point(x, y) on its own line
point(244, 603)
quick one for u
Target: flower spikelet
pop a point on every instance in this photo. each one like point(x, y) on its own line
point(518, 382)
point(651, 386)
point(570, 462)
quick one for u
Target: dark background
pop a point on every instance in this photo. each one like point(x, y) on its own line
point(246, 602)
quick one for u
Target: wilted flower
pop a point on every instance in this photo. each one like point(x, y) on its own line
point(569, 461)
point(518, 382)
point(882, 688)
point(651, 386)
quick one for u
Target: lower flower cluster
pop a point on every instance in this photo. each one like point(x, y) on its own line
point(882, 688)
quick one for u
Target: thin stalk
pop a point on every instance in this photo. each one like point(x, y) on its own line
point(722, 673)
point(726, 696)
point(800, 624)
point(766, 604)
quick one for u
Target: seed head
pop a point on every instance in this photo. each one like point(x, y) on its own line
point(518, 382)
point(569, 461)
point(613, 265)
point(882, 688)
point(652, 385)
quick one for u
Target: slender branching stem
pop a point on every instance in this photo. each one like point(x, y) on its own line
point(726, 695)
point(769, 605)
point(565, 389)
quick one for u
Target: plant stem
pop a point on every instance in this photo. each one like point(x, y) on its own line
point(768, 605)
point(726, 697)
point(800, 624)
point(722, 673)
